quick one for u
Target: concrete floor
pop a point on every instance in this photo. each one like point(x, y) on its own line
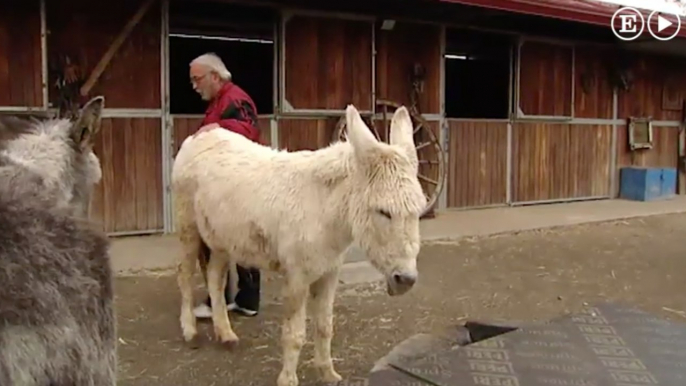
point(158, 254)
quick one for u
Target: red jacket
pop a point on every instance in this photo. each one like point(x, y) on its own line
point(233, 109)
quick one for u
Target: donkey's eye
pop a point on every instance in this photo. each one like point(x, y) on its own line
point(384, 213)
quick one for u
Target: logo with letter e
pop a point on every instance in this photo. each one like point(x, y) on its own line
point(627, 23)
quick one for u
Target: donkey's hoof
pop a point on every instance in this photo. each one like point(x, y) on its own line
point(328, 375)
point(194, 342)
point(331, 377)
point(230, 344)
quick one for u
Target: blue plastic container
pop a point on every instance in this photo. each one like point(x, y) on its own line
point(647, 184)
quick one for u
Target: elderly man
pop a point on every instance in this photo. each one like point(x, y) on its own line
point(230, 108)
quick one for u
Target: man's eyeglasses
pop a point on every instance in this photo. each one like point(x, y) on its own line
point(197, 79)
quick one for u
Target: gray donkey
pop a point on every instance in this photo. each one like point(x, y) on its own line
point(57, 324)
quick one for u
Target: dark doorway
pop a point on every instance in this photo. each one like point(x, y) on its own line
point(242, 36)
point(477, 74)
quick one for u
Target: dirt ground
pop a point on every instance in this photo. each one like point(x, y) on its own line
point(530, 276)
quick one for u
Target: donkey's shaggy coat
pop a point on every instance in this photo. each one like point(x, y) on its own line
point(296, 213)
point(57, 323)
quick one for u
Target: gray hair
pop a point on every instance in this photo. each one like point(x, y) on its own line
point(215, 64)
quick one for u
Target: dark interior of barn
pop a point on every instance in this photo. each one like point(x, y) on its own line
point(242, 36)
point(477, 74)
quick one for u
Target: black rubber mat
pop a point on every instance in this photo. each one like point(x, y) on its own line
point(605, 345)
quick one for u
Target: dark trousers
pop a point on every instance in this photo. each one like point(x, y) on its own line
point(248, 296)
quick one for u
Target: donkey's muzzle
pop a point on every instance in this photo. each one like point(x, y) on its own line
point(400, 283)
point(404, 280)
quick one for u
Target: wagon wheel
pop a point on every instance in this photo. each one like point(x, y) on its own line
point(431, 156)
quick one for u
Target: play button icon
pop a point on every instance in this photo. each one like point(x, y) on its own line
point(664, 23)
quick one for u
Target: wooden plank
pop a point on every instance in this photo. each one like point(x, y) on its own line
point(265, 124)
point(477, 164)
point(183, 127)
point(328, 63)
point(546, 79)
point(306, 133)
point(593, 91)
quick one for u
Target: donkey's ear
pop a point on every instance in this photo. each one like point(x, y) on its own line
point(402, 133)
point(359, 134)
point(87, 124)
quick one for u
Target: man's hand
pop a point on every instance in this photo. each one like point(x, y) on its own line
point(207, 128)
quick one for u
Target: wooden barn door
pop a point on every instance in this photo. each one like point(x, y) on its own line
point(562, 133)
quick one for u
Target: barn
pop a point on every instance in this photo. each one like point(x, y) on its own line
point(516, 101)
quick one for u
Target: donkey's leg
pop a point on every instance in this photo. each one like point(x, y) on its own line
point(217, 271)
point(190, 240)
point(323, 292)
point(293, 330)
point(105, 369)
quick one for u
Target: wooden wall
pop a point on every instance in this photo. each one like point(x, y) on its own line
point(328, 63)
point(184, 125)
point(592, 89)
point(20, 54)
point(553, 161)
point(85, 29)
point(557, 161)
point(655, 78)
point(545, 91)
point(397, 52)
point(130, 195)
point(645, 98)
point(560, 161)
point(545, 79)
point(306, 133)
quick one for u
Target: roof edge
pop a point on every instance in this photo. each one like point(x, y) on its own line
point(588, 12)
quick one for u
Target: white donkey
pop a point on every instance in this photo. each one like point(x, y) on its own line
point(296, 213)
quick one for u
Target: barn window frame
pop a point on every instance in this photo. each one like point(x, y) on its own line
point(517, 112)
point(284, 107)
